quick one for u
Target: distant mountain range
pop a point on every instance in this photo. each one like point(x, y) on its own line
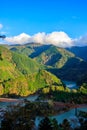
point(29, 67)
point(79, 51)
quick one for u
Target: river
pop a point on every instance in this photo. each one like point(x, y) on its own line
point(61, 117)
point(70, 84)
point(31, 97)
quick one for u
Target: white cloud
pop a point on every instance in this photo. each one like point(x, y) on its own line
point(20, 39)
point(38, 38)
point(81, 41)
point(60, 39)
point(1, 26)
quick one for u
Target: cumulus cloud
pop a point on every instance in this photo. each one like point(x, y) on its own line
point(38, 38)
point(81, 41)
point(20, 39)
point(1, 26)
point(60, 39)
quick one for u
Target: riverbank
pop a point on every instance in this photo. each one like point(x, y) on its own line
point(58, 107)
point(64, 107)
point(55, 104)
point(9, 100)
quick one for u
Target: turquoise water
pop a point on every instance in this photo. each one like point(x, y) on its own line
point(31, 97)
point(61, 117)
point(4, 104)
point(71, 85)
point(67, 115)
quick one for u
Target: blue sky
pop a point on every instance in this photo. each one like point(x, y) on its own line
point(34, 16)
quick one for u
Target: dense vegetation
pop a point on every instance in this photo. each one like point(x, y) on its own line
point(23, 117)
point(21, 75)
point(79, 51)
point(58, 61)
point(25, 69)
point(21, 69)
point(54, 56)
point(25, 64)
point(65, 95)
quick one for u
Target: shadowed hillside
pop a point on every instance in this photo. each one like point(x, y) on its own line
point(79, 51)
point(58, 61)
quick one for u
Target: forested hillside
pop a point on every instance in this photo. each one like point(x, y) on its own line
point(61, 62)
point(21, 75)
point(79, 51)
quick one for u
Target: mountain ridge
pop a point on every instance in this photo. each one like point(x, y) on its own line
point(57, 59)
point(18, 74)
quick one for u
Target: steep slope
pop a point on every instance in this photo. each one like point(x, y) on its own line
point(38, 49)
point(30, 49)
point(43, 79)
point(14, 64)
point(7, 68)
point(25, 64)
point(79, 51)
point(23, 49)
point(64, 64)
point(73, 70)
point(54, 56)
point(21, 75)
point(45, 54)
point(59, 61)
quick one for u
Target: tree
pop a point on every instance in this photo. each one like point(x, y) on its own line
point(66, 124)
point(55, 124)
point(6, 124)
point(84, 126)
point(18, 118)
point(45, 124)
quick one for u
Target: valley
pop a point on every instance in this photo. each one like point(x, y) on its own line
point(43, 65)
point(49, 79)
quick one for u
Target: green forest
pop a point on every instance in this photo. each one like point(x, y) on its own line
point(41, 69)
point(25, 69)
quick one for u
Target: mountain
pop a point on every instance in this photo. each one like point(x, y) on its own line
point(43, 79)
point(22, 49)
point(73, 70)
point(7, 68)
point(61, 62)
point(14, 63)
point(30, 49)
point(79, 51)
point(25, 64)
point(45, 54)
point(54, 56)
point(21, 75)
